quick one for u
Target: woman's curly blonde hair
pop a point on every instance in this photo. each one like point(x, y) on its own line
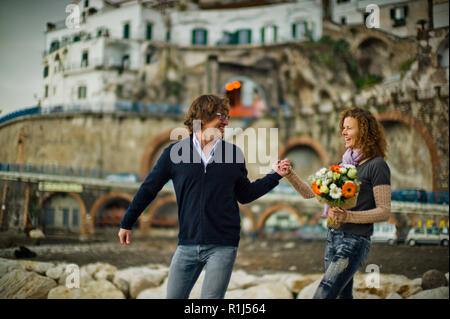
point(205, 108)
point(371, 139)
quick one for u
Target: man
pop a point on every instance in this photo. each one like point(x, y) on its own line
point(209, 180)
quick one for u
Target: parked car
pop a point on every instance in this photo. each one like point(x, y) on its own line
point(385, 233)
point(422, 235)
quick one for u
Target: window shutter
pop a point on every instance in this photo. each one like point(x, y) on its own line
point(405, 11)
point(205, 37)
point(193, 37)
point(263, 30)
point(294, 30)
point(275, 33)
point(249, 36)
point(393, 13)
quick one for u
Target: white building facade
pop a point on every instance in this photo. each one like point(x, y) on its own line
point(85, 68)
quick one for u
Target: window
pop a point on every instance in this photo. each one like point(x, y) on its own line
point(66, 217)
point(76, 38)
point(54, 46)
point(269, 34)
point(342, 1)
point(244, 36)
point(398, 15)
point(168, 35)
point(49, 216)
point(84, 59)
point(344, 20)
point(126, 30)
point(46, 91)
point(45, 71)
point(150, 56)
point(125, 61)
point(302, 30)
point(86, 3)
point(82, 92)
point(149, 30)
point(199, 37)
point(75, 217)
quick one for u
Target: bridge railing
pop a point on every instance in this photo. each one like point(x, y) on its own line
point(67, 171)
point(122, 106)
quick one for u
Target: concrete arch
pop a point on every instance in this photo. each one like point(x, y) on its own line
point(77, 197)
point(370, 35)
point(147, 220)
point(150, 150)
point(100, 201)
point(269, 211)
point(305, 141)
point(397, 116)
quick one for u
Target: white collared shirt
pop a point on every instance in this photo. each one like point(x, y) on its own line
point(198, 147)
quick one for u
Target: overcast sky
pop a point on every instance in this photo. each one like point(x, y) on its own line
point(22, 27)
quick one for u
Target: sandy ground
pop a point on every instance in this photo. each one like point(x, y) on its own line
point(257, 256)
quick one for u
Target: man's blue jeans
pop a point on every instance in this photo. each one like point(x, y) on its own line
point(187, 264)
point(345, 253)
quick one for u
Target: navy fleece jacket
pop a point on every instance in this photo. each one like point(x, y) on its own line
point(207, 198)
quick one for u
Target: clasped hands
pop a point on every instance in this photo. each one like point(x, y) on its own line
point(337, 214)
point(282, 167)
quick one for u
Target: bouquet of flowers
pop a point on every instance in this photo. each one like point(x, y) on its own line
point(336, 187)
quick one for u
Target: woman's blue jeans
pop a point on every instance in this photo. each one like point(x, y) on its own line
point(187, 264)
point(345, 253)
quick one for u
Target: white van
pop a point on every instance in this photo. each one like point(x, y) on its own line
point(384, 233)
point(422, 235)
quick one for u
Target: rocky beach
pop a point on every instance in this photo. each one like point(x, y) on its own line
point(264, 269)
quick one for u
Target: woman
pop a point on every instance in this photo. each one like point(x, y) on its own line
point(348, 246)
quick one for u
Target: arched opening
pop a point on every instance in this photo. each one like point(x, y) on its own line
point(408, 157)
point(247, 98)
point(107, 212)
point(280, 221)
point(371, 55)
point(62, 213)
point(306, 155)
point(164, 220)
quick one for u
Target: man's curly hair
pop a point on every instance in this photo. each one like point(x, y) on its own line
point(204, 108)
point(371, 138)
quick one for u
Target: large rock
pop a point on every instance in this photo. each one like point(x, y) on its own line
point(436, 293)
point(388, 283)
point(56, 272)
point(293, 281)
point(269, 290)
point(69, 270)
point(154, 293)
point(22, 284)
point(101, 289)
point(131, 281)
point(309, 290)
point(36, 266)
point(433, 279)
point(100, 270)
point(241, 280)
point(7, 265)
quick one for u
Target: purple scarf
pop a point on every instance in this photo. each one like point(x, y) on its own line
point(349, 157)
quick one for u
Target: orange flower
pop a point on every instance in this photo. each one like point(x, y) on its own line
point(316, 188)
point(336, 168)
point(348, 189)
